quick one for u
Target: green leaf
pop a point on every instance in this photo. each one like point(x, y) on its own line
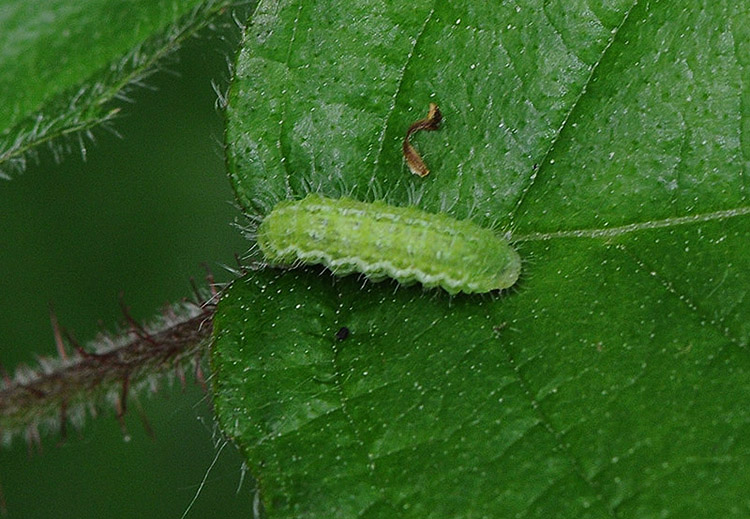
point(61, 63)
point(612, 380)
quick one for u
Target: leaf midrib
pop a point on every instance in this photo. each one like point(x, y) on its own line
point(611, 232)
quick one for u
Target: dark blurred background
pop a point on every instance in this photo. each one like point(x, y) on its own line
point(139, 216)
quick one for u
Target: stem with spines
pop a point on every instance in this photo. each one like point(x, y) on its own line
point(65, 389)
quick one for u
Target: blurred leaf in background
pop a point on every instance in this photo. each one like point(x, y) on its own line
point(61, 63)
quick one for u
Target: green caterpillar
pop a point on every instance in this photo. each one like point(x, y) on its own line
point(380, 241)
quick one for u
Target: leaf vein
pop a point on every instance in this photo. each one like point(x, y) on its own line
point(612, 232)
point(574, 105)
point(716, 322)
point(547, 424)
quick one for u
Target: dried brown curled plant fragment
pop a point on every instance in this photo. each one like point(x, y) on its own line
point(429, 123)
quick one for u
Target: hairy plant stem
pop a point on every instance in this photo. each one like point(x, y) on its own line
point(65, 389)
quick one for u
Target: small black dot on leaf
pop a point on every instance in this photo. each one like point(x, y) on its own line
point(342, 334)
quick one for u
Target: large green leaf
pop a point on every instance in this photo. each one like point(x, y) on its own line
point(612, 380)
point(62, 61)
